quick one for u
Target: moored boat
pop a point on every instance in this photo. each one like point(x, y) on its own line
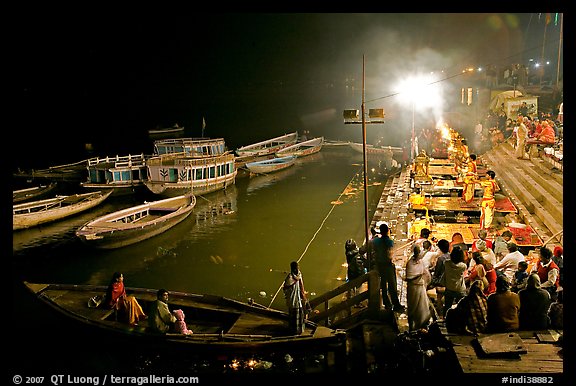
point(269, 146)
point(303, 148)
point(271, 165)
point(375, 150)
point(180, 166)
point(35, 192)
point(34, 213)
point(217, 323)
point(70, 172)
point(137, 223)
point(173, 132)
point(123, 174)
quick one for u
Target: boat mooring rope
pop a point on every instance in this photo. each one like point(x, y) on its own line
point(316, 233)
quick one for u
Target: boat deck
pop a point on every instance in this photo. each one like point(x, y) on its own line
point(520, 352)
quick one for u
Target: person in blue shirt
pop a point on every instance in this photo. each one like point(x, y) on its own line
point(387, 270)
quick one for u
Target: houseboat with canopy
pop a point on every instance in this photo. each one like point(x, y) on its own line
point(183, 165)
point(123, 174)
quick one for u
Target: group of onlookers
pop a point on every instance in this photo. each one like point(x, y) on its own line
point(490, 287)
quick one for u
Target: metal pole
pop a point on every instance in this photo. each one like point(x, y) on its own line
point(412, 148)
point(559, 50)
point(366, 221)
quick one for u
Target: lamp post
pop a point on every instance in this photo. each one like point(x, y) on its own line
point(376, 116)
point(366, 221)
point(413, 142)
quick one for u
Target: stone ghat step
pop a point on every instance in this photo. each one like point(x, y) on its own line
point(541, 196)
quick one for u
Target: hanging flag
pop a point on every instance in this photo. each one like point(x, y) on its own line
point(548, 18)
point(203, 123)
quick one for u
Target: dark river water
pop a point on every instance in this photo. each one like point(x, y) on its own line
point(237, 243)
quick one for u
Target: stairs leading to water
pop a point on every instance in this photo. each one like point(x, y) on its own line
point(534, 186)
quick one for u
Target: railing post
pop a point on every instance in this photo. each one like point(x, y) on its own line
point(373, 291)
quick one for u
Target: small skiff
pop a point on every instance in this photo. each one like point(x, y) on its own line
point(271, 165)
point(303, 148)
point(137, 223)
point(34, 213)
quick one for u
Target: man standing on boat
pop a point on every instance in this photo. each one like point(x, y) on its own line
point(295, 298)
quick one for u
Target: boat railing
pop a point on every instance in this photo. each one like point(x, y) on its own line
point(120, 161)
point(327, 313)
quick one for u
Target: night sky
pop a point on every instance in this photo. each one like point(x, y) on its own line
point(105, 78)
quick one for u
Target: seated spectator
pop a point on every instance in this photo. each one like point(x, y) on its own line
point(482, 234)
point(501, 245)
point(127, 307)
point(180, 325)
point(454, 270)
point(558, 258)
point(520, 277)
point(546, 136)
point(556, 315)
point(548, 272)
point(458, 240)
point(503, 308)
point(160, 319)
point(484, 271)
point(470, 314)
point(487, 253)
point(509, 263)
point(534, 305)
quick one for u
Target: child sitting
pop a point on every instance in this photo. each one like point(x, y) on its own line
point(520, 277)
point(180, 324)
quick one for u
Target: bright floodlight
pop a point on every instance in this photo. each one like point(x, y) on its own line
point(420, 90)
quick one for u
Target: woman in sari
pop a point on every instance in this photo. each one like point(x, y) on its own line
point(127, 307)
point(417, 278)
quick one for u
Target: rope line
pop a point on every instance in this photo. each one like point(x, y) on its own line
point(315, 234)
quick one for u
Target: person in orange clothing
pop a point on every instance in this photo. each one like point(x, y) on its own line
point(128, 309)
point(488, 202)
point(469, 178)
point(547, 135)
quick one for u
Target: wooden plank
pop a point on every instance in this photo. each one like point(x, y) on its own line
point(507, 343)
point(539, 357)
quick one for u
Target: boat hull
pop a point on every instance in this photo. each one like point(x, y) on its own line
point(303, 149)
point(173, 189)
point(269, 146)
point(218, 323)
point(135, 224)
point(62, 207)
point(29, 194)
point(271, 165)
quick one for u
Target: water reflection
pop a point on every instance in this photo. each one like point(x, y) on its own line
point(237, 243)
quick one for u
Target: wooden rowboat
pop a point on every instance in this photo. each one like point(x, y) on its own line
point(271, 165)
point(137, 223)
point(34, 213)
point(35, 192)
point(375, 150)
point(217, 323)
point(303, 148)
point(269, 146)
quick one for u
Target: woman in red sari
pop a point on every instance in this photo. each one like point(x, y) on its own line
point(127, 306)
